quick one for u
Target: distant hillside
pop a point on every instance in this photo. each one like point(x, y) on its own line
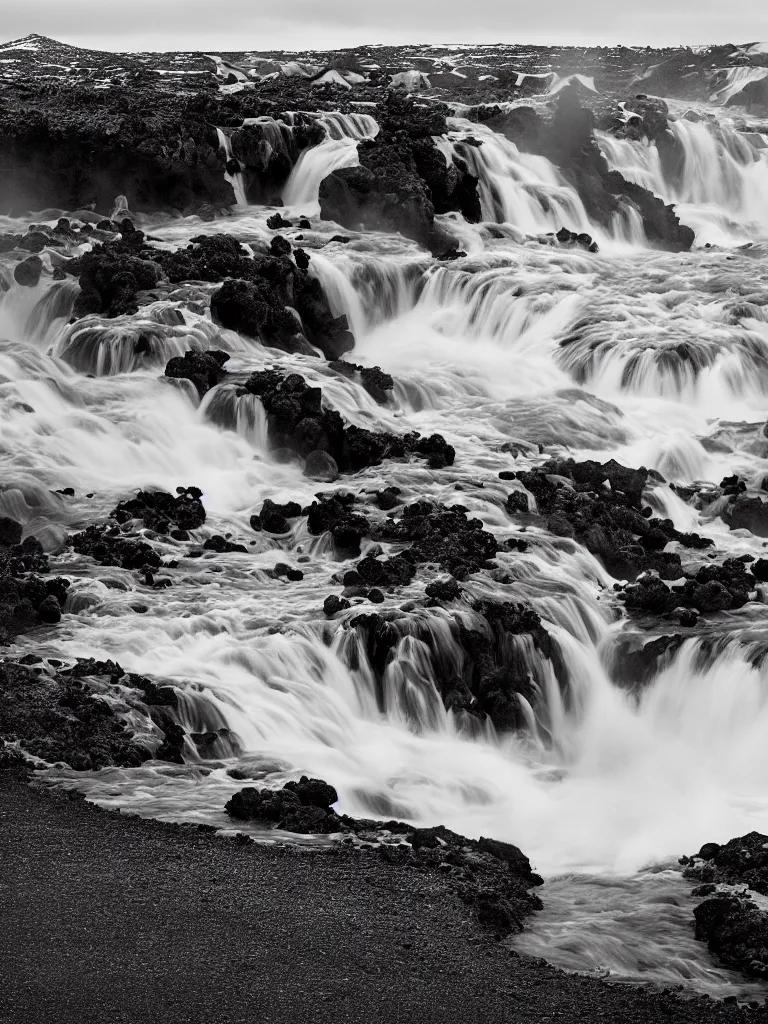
point(735, 74)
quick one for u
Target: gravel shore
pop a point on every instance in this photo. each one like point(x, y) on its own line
point(110, 919)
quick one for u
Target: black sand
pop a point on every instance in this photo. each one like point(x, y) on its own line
point(114, 920)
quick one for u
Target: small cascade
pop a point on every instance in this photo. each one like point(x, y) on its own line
point(234, 177)
point(717, 177)
point(104, 347)
point(339, 149)
point(35, 315)
point(51, 312)
point(528, 191)
point(244, 414)
point(368, 291)
point(733, 82)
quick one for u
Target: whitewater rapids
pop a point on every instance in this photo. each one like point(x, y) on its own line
point(516, 352)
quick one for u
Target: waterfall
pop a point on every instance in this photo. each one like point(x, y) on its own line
point(718, 178)
point(516, 354)
point(528, 191)
point(734, 80)
point(337, 150)
point(234, 178)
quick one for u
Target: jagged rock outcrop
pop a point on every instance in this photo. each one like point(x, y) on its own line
point(59, 718)
point(600, 504)
point(26, 599)
point(494, 878)
point(75, 147)
point(298, 423)
point(266, 152)
point(733, 918)
point(403, 179)
point(204, 369)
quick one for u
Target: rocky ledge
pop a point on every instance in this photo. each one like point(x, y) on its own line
point(733, 917)
point(492, 877)
point(76, 148)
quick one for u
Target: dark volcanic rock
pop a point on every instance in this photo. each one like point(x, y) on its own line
point(736, 929)
point(261, 295)
point(222, 545)
point(27, 556)
point(282, 808)
point(635, 663)
point(459, 545)
point(712, 589)
point(402, 179)
point(741, 861)
point(261, 301)
point(70, 146)
point(27, 273)
point(60, 719)
point(313, 792)
point(110, 277)
point(204, 369)
point(161, 512)
point(484, 670)
point(108, 546)
point(333, 514)
point(28, 601)
point(207, 258)
point(443, 590)
point(375, 381)
point(10, 532)
point(333, 604)
point(748, 514)
point(492, 877)
point(274, 518)
point(600, 505)
point(661, 223)
point(252, 309)
point(298, 422)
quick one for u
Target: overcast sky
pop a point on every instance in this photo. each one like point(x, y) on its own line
point(323, 24)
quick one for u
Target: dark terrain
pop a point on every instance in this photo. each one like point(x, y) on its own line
point(111, 919)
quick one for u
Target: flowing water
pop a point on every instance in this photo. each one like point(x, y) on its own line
point(518, 351)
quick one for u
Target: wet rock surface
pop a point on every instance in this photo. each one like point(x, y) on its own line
point(56, 716)
point(298, 422)
point(27, 599)
point(402, 180)
point(494, 878)
point(166, 160)
point(204, 369)
point(733, 916)
point(261, 296)
point(740, 861)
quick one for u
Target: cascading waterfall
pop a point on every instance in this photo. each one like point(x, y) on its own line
point(235, 178)
point(528, 191)
point(734, 80)
point(338, 150)
point(716, 176)
point(514, 353)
